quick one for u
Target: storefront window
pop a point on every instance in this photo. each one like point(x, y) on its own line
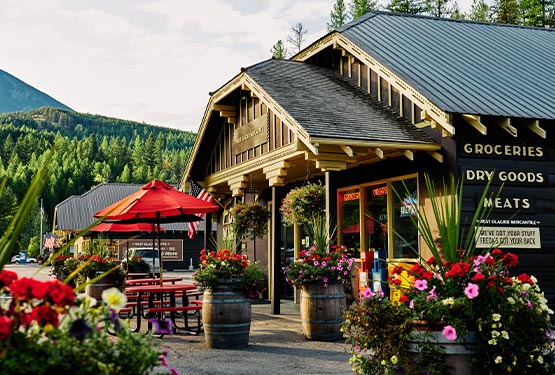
point(350, 220)
point(376, 218)
point(405, 204)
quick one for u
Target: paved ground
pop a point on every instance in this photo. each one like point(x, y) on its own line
point(276, 344)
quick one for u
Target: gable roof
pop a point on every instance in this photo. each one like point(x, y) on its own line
point(76, 212)
point(326, 105)
point(463, 66)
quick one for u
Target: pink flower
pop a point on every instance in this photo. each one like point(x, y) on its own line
point(432, 294)
point(366, 293)
point(449, 333)
point(316, 263)
point(471, 290)
point(324, 263)
point(421, 284)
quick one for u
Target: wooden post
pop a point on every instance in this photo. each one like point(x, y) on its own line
point(331, 202)
point(277, 273)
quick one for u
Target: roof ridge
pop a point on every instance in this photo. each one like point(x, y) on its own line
point(444, 19)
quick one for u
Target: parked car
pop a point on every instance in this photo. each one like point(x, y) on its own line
point(17, 259)
point(147, 253)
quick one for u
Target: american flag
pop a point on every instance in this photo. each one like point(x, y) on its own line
point(49, 242)
point(197, 191)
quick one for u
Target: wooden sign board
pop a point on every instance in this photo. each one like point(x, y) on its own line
point(250, 135)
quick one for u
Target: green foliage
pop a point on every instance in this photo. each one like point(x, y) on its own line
point(304, 204)
point(89, 149)
point(250, 220)
point(256, 281)
point(338, 15)
point(407, 6)
point(359, 8)
point(278, 50)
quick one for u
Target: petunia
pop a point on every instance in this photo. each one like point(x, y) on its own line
point(162, 326)
point(114, 298)
point(498, 359)
point(450, 333)
point(366, 293)
point(471, 290)
point(79, 329)
point(421, 284)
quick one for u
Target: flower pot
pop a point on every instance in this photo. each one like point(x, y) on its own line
point(458, 353)
point(226, 315)
point(95, 289)
point(322, 310)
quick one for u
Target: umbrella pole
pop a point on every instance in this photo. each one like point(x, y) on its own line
point(159, 248)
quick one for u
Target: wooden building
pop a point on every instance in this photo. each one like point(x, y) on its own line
point(376, 104)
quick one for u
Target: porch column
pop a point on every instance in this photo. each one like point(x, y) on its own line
point(331, 202)
point(208, 231)
point(278, 193)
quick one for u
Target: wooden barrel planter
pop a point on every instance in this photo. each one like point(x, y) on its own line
point(95, 289)
point(322, 310)
point(458, 353)
point(226, 315)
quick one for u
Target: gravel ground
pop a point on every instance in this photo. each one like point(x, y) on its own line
point(276, 344)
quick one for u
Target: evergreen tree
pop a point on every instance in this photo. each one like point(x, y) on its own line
point(7, 149)
point(507, 12)
point(359, 8)
point(440, 8)
point(296, 38)
point(278, 50)
point(538, 13)
point(407, 6)
point(125, 175)
point(479, 11)
point(338, 15)
point(8, 207)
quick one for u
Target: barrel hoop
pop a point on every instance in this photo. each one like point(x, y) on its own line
point(323, 296)
point(224, 301)
point(329, 321)
point(209, 325)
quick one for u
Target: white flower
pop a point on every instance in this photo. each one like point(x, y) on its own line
point(511, 300)
point(492, 342)
point(540, 359)
point(383, 362)
point(448, 301)
point(496, 317)
point(495, 334)
point(114, 298)
point(505, 335)
point(498, 359)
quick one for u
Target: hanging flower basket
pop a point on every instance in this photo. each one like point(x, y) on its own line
point(250, 220)
point(304, 204)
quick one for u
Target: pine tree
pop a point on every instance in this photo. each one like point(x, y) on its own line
point(479, 11)
point(338, 15)
point(506, 12)
point(440, 8)
point(359, 8)
point(278, 50)
point(407, 6)
point(296, 39)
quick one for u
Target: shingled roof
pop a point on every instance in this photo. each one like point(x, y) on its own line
point(463, 66)
point(76, 212)
point(326, 105)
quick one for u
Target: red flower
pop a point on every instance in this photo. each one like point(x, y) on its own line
point(478, 277)
point(525, 279)
point(397, 281)
point(510, 259)
point(403, 299)
point(496, 252)
point(43, 315)
point(5, 327)
point(60, 294)
point(7, 277)
point(490, 261)
point(432, 261)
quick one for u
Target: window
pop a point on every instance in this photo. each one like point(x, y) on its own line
point(389, 209)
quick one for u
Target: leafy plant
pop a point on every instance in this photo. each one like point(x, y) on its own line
point(315, 265)
point(250, 220)
point(304, 204)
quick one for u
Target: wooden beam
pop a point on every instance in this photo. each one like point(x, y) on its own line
point(379, 152)
point(505, 124)
point(224, 107)
point(474, 120)
point(409, 154)
point(423, 124)
point(331, 165)
point(436, 155)
point(534, 126)
point(348, 150)
point(228, 114)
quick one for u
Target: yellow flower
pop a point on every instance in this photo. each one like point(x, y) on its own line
point(394, 359)
point(114, 298)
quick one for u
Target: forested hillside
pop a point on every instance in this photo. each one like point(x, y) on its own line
point(89, 149)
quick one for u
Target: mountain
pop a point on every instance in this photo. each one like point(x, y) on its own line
point(16, 95)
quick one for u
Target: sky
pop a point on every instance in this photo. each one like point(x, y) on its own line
point(152, 61)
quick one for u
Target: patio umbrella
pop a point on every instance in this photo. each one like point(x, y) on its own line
point(125, 228)
point(156, 202)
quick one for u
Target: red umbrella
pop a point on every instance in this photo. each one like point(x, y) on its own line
point(125, 228)
point(156, 202)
